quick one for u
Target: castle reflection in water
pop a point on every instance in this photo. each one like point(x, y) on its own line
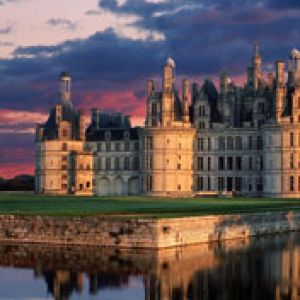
point(265, 268)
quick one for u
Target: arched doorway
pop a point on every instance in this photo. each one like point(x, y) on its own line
point(133, 186)
point(104, 187)
point(118, 186)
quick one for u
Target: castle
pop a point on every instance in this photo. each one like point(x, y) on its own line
point(237, 139)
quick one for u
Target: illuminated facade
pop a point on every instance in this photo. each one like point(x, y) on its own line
point(244, 140)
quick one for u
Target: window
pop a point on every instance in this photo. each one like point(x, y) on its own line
point(107, 135)
point(229, 163)
point(65, 132)
point(209, 144)
point(291, 183)
point(99, 147)
point(200, 144)
point(88, 167)
point(117, 163)
point(64, 167)
point(200, 163)
point(64, 147)
point(292, 161)
point(201, 125)
point(221, 143)
point(99, 163)
point(299, 102)
point(108, 163)
point(200, 183)
point(208, 163)
point(64, 177)
point(220, 183)
point(229, 143)
point(221, 163)
point(208, 184)
point(107, 147)
point(149, 183)
point(178, 166)
point(64, 186)
point(298, 183)
point(291, 139)
point(136, 163)
point(238, 184)
point(136, 146)
point(238, 143)
point(64, 158)
point(154, 108)
point(88, 184)
point(250, 166)
point(259, 143)
point(127, 146)
point(179, 187)
point(238, 163)
point(250, 143)
point(117, 146)
point(126, 163)
point(179, 146)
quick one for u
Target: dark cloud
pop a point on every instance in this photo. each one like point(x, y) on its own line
point(60, 22)
point(5, 30)
point(110, 71)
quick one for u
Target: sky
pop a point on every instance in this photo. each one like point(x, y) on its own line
point(111, 47)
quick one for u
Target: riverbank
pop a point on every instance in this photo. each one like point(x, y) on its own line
point(143, 233)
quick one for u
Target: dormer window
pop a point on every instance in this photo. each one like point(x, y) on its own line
point(107, 135)
point(126, 135)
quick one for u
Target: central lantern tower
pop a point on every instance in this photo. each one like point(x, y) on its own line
point(168, 138)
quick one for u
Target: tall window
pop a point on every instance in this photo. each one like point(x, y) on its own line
point(209, 144)
point(200, 183)
point(221, 143)
point(291, 183)
point(208, 163)
point(238, 163)
point(292, 161)
point(117, 163)
point(126, 163)
point(238, 143)
point(259, 143)
point(127, 146)
point(229, 163)
point(220, 183)
point(250, 166)
point(201, 144)
point(250, 143)
point(229, 142)
point(117, 146)
point(107, 147)
point(136, 163)
point(221, 163)
point(200, 163)
point(291, 139)
point(108, 163)
point(208, 184)
point(99, 163)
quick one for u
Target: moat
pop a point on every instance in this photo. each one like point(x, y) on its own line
point(257, 268)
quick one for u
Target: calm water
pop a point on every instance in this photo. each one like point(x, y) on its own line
point(265, 268)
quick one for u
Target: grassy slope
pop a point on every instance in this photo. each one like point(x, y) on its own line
point(28, 204)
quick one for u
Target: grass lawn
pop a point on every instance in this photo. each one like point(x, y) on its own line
point(30, 204)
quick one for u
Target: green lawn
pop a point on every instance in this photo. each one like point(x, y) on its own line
point(29, 204)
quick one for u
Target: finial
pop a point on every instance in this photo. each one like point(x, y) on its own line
point(256, 49)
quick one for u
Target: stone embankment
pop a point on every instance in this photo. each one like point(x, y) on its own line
point(143, 233)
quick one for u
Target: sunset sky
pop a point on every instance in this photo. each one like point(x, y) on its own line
point(112, 47)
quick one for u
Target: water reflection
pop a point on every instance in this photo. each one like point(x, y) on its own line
point(265, 268)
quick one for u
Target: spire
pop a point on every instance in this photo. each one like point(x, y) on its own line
point(256, 50)
point(65, 87)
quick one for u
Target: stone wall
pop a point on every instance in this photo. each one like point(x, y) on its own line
point(143, 233)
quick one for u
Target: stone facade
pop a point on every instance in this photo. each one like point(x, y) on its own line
point(243, 140)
